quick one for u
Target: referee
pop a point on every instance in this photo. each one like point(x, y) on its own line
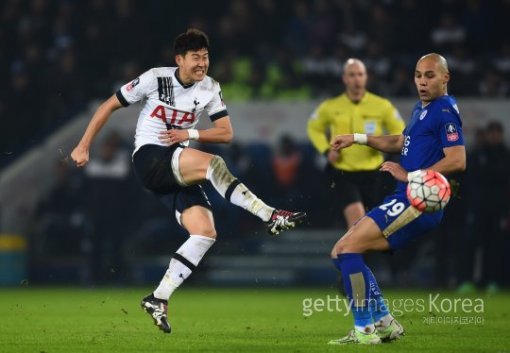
point(353, 172)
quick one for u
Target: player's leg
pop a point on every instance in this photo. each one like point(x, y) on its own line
point(353, 212)
point(362, 189)
point(348, 195)
point(391, 225)
point(193, 213)
point(198, 221)
point(165, 169)
point(192, 166)
point(347, 256)
point(399, 223)
point(387, 327)
point(365, 235)
point(196, 166)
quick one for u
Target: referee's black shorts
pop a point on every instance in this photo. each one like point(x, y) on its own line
point(368, 187)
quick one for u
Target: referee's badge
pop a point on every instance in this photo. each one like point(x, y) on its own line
point(370, 127)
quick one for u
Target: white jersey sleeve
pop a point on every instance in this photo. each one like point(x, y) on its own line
point(137, 89)
point(216, 108)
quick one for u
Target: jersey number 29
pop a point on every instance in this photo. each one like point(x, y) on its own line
point(393, 208)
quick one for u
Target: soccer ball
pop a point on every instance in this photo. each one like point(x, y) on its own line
point(429, 191)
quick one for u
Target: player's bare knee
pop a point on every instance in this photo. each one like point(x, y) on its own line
point(209, 232)
point(337, 248)
point(341, 247)
point(334, 253)
point(346, 246)
point(205, 231)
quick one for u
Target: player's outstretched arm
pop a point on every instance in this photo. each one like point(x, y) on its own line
point(342, 141)
point(222, 132)
point(80, 154)
point(387, 143)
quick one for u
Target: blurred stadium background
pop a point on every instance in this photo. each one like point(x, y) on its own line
point(275, 61)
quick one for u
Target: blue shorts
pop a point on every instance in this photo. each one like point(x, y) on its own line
point(392, 207)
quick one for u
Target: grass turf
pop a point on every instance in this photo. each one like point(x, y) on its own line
point(52, 320)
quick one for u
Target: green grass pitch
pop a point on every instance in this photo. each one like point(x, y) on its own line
point(73, 320)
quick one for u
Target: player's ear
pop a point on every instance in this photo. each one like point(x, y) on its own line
point(179, 59)
point(446, 77)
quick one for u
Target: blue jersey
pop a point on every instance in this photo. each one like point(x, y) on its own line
point(430, 129)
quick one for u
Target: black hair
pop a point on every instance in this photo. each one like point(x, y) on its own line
point(193, 39)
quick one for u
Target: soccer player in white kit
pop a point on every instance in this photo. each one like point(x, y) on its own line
point(174, 99)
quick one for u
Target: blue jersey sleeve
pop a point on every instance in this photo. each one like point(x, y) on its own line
point(449, 126)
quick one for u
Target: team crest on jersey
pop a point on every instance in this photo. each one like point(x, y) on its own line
point(451, 132)
point(423, 114)
point(133, 84)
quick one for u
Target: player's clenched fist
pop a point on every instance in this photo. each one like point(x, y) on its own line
point(80, 156)
point(342, 141)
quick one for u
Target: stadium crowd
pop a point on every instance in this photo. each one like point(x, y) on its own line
point(58, 55)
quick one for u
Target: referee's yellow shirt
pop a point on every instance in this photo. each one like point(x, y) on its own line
point(373, 115)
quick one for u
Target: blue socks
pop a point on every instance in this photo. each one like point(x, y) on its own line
point(356, 280)
point(377, 305)
point(360, 283)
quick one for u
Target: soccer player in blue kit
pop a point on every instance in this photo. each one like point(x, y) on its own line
point(432, 140)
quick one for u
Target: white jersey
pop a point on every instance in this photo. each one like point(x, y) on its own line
point(169, 104)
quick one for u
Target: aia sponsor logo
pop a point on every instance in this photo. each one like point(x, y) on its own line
point(172, 117)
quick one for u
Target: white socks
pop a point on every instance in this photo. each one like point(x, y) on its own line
point(182, 264)
point(234, 191)
point(241, 196)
